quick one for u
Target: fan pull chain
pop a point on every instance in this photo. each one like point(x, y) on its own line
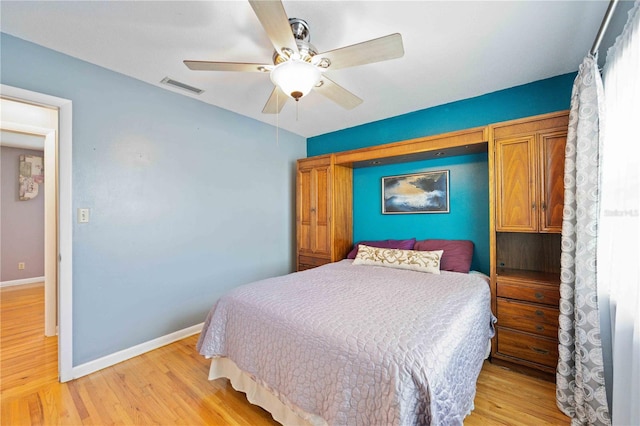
point(297, 103)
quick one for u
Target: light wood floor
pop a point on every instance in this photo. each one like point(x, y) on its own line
point(169, 386)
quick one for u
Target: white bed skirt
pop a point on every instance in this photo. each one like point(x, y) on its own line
point(259, 395)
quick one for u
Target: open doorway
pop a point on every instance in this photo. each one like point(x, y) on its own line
point(29, 219)
point(28, 211)
point(57, 148)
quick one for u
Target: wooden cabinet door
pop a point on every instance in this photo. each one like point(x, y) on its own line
point(303, 210)
point(321, 232)
point(552, 145)
point(515, 170)
point(313, 214)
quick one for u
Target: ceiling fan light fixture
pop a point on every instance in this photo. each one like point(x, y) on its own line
point(295, 78)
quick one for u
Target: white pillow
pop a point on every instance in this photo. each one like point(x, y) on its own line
point(422, 261)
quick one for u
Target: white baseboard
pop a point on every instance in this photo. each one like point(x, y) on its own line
point(21, 282)
point(125, 354)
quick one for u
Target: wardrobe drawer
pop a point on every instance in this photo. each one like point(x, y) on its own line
point(531, 292)
point(308, 262)
point(537, 319)
point(536, 349)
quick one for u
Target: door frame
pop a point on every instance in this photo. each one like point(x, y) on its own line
point(65, 220)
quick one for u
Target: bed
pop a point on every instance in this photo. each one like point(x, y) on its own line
point(347, 343)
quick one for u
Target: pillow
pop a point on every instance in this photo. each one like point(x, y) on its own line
point(422, 261)
point(393, 244)
point(457, 253)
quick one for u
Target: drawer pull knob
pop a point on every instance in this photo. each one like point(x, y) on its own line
point(539, 327)
point(539, 313)
point(541, 351)
point(539, 295)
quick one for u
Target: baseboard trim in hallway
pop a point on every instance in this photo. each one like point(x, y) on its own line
point(22, 281)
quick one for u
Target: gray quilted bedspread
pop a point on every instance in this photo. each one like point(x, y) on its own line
point(359, 345)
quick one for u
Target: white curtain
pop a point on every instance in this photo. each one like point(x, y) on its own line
point(619, 231)
point(580, 382)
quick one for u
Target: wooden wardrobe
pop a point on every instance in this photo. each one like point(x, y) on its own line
point(323, 211)
point(526, 167)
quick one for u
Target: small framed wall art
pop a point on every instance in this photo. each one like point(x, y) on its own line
point(30, 176)
point(426, 192)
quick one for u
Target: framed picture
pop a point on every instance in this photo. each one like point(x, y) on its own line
point(31, 175)
point(426, 192)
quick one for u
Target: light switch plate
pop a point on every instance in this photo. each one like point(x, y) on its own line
point(83, 215)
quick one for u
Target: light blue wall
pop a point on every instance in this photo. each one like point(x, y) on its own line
point(187, 200)
point(469, 217)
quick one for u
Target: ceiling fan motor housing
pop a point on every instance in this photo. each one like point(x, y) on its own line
point(306, 52)
point(302, 35)
point(300, 29)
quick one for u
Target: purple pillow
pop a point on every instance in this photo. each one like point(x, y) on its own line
point(392, 244)
point(457, 253)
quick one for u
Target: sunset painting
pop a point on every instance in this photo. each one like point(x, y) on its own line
point(426, 192)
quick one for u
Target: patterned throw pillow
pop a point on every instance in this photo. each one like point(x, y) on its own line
point(422, 261)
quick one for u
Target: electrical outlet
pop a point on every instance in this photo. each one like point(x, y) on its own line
point(21, 265)
point(83, 215)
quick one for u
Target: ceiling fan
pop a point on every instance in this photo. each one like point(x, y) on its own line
point(297, 66)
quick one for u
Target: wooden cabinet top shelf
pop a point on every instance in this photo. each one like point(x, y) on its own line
point(462, 142)
point(525, 275)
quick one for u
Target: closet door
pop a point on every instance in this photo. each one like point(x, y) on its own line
point(313, 212)
point(303, 210)
point(552, 146)
point(516, 204)
point(320, 212)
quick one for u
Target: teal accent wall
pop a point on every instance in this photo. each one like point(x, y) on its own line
point(187, 199)
point(469, 188)
point(468, 205)
point(539, 97)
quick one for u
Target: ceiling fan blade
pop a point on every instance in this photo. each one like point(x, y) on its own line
point(376, 50)
point(276, 101)
point(274, 19)
point(227, 66)
point(337, 93)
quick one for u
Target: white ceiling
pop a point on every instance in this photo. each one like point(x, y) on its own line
point(453, 50)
